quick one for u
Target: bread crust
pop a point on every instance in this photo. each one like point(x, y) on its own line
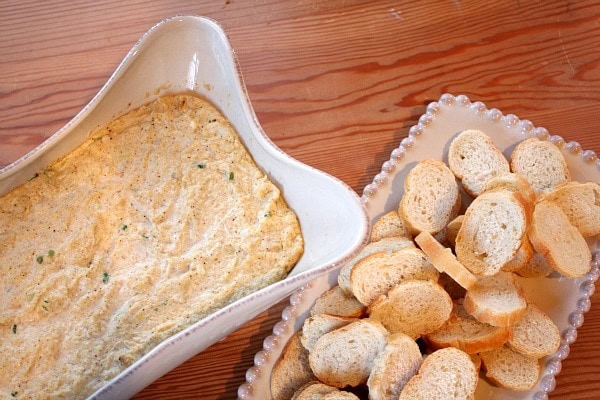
point(559, 242)
point(527, 157)
point(429, 210)
point(535, 335)
point(480, 304)
point(581, 204)
point(444, 261)
point(414, 307)
point(377, 273)
point(387, 245)
point(393, 367)
point(509, 369)
point(338, 303)
point(478, 238)
point(431, 382)
point(291, 370)
point(356, 345)
point(389, 225)
point(474, 159)
point(467, 334)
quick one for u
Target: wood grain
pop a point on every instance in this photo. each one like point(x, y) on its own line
point(337, 84)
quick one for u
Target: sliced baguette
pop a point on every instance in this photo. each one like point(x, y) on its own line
point(452, 230)
point(431, 197)
point(581, 204)
point(444, 261)
point(393, 367)
point(446, 374)
point(451, 287)
point(474, 159)
point(535, 335)
point(492, 231)
point(496, 300)
point(521, 257)
point(509, 369)
point(387, 245)
point(338, 303)
point(374, 275)
point(537, 267)
point(416, 308)
point(344, 357)
point(561, 244)
point(541, 163)
point(389, 225)
point(316, 326)
point(291, 370)
point(340, 395)
point(512, 182)
point(314, 390)
point(467, 334)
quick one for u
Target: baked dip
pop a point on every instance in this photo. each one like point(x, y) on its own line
point(157, 220)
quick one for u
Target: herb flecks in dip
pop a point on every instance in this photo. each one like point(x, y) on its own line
point(159, 219)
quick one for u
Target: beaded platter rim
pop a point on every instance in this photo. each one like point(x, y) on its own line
point(282, 330)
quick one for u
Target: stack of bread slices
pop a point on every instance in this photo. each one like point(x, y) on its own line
point(434, 299)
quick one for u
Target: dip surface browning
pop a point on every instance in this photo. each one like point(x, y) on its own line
point(157, 220)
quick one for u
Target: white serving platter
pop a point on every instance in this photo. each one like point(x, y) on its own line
point(564, 300)
point(193, 54)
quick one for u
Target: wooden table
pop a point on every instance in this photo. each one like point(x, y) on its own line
point(336, 84)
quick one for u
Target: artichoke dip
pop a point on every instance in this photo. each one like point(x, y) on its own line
point(157, 220)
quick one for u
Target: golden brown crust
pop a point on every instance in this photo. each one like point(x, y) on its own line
point(291, 370)
point(542, 153)
point(559, 242)
point(503, 285)
point(469, 250)
point(429, 210)
point(467, 334)
point(389, 225)
point(444, 261)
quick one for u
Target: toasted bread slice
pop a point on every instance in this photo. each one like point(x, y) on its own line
point(467, 334)
point(340, 395)
point(416, 308)
point(474, 159)
point(451, 287)
point(344, 357)
point(509, 369)
point(446, 374)
point(431, 197)
point(452, 230)
point(581, 204)
point(388, 245)
point(521, 257)
point(316, 326)
point(313, 390)
point(389, 225)
point(561, 244)
point(291, 370)
point(496, 300)
point(512, 182)
point(535, 335)
point(374, 275)
point(541, 163)
point(537, 267)
point(444, 261)
point(338, 303)
point(393, 367)
point(492, 231)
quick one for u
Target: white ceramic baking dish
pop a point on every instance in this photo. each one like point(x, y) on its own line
point(193, 54)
